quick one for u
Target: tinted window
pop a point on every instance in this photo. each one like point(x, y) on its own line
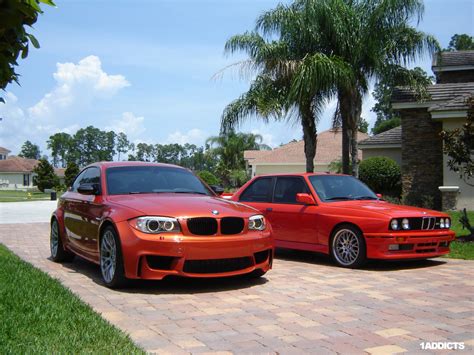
point(286, 189)
point(88, 176)
point(152, 179)
point(341, 187)
point(259, 191)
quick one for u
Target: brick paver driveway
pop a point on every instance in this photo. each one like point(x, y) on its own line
point(304, 305)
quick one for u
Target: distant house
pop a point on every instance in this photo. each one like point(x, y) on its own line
point(386, 144)
point(290, 158)
point(4, 153)
point(16, 173)
point(425, 174)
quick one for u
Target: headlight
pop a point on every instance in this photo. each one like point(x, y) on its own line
point(156, 224)
point(394, 224)
point(447, 223)
point(405, 223)
point(441, 223)
point(257, 222)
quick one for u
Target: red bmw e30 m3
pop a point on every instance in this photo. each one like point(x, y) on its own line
point(341, 216)
point(149, 221)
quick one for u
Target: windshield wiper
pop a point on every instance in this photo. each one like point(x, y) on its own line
point(339, 198)
point(189, 192)
point(366, 198)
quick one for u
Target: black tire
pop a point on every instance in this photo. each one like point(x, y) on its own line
point(348, 247)
point(111, 260)
point(58, 253)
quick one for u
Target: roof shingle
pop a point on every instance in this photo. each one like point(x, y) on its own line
point(329, 148)
point(391, 137)
point(453, 59)
point(17, 165)
point(437, 92)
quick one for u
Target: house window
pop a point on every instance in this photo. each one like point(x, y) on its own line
point(26, 179)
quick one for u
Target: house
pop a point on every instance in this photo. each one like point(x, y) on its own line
point(16, 173)
point(426, 178)
point(3, 153)
point(386, 144)
point(290, 158)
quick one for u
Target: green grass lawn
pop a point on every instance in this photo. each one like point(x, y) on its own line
point(39, 315)
point(461, 250)
point(17, 196)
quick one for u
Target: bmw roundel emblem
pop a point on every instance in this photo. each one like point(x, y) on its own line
point(215, 212)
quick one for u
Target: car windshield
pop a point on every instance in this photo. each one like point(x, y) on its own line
point(341, 188)
point(152, 179)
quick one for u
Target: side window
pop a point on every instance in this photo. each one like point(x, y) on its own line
point(88, 176)
point(259, 191)
point(78, 180)
point(286, 189)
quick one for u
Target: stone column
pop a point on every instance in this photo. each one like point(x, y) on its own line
point(449, 197)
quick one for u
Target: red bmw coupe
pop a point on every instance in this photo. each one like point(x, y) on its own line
point(341, 216)
point(149, 221)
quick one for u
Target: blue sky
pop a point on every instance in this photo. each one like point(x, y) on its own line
point(144, 67)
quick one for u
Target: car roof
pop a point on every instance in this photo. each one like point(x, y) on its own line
point(109, 164)
point(302, 174)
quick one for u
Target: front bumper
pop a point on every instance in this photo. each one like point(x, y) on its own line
point(412, 244)
point(155, 256)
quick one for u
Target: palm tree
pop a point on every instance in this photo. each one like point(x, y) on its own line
point(230, 148)
point(366, 38)
point(280, 89)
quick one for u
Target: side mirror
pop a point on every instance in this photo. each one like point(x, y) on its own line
point(87, 189)
point(306, 199)
point(379, 195)
point(219, 190)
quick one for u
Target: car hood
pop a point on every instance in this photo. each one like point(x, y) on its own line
point(183, 205)
point(388, 209)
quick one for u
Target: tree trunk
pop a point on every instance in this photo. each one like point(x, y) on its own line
point(356, 111)
point(309, 136)
point(350, 104)
point(346, 134)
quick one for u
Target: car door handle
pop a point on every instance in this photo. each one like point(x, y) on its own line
point(269, 209)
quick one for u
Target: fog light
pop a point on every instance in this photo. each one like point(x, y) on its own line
point(393, 247)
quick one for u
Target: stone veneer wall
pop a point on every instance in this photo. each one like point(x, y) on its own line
point(455, 76)
point(422, 158)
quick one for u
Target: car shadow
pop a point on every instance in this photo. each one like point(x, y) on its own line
point(169, 285)
point(372, 265)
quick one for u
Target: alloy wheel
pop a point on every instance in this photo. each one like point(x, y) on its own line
point(346, 247)
point(108, 256)
point(54, 239)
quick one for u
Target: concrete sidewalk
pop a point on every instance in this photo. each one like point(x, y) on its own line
point(26, 212)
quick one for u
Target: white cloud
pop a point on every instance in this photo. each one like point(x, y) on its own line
point(193, 136)
point(268, 138)
point(131, 125)
point(77, 85)
point(77, 88)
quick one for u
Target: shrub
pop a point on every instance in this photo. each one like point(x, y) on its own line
point(208, 177)
point(72, 170)
point(382, 175)
point(45, 176)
